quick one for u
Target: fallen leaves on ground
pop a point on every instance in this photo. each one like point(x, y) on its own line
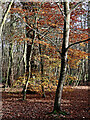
point(75, 101)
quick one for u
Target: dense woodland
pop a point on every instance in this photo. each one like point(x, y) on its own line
point(44, 47)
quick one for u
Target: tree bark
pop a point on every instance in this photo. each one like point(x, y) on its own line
point(28, 57)
point(88, 81)
point(5, 16)
point(42, 74)
point(28, 63)
point(57, 103)
point(9, 72)
point(1, 48)
point(8, 81)
point(28, 66)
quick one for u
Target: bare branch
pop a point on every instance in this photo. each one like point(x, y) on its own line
point(75, 6)
point(38, 32)
point(76, 43)
point(60, 9)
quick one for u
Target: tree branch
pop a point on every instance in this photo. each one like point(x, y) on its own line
point(76, 43)
point(60, 9)
point(5, 15)
point(75, 6)
point(42, 36)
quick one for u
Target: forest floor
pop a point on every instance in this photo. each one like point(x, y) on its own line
point(75, 100)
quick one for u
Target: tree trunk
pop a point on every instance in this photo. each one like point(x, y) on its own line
point(2, 22)
point(43, 91)
point(88, 81)
point(28, 65)
point(57, 103)
point(9, 72)
point(28, 58)
point(24, 58)
point(1, 48)
point(8, 81)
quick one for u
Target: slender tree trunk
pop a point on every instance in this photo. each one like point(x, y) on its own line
point(28, 59)
point(9, 72)
point(5, 16)
point(28, 66)
point(42, 70)
point(18, 66)
point(88, 81)
point(57, 103)
point(8, 82)
point(24, 60)
point(28, 73)
point(43, 91)
point(1, 46)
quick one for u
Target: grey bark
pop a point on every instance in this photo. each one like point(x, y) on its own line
point(88, 44)
point(0, 48)
point(42, 72)
point(28, 58)
point(65, 47)
point(5, 16)
point(9, 71)
point(8, 81)
point(57, 103)
point(28, 66)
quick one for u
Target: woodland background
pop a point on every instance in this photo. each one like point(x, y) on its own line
point(31, 40)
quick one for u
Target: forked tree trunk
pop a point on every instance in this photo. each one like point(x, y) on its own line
point(28, 59)
point(57, 103)
point(28, 65)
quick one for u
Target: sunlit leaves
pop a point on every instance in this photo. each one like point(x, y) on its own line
point(51, 21)
point(75, 56)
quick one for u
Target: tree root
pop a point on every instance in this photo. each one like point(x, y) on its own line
point(58, 112)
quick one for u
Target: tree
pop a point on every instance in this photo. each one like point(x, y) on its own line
point(2, 22)
point(31, 34)
point(89, 42)
point(65, 47)
point(5, 16)
point(34, 29)
point(9, 71)
point(63, 57)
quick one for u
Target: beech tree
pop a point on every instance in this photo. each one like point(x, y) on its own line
point(34, 32)
point(63, 57)
point(65, 47)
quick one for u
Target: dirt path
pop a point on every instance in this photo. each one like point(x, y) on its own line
point(75, 101)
